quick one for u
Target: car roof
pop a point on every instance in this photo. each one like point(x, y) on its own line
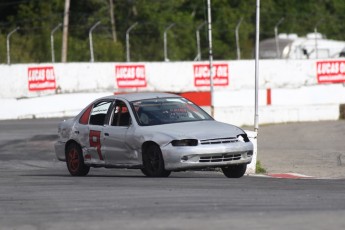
point(141, 96)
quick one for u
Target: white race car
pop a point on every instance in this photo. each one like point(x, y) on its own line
point(155, 132)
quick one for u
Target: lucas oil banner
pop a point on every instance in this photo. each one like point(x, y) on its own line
point(330, 71)
point(130, 76)
point(220, 74)
point(41, 78)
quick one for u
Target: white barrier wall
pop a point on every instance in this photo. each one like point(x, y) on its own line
point(164, 76)
point(289, 89)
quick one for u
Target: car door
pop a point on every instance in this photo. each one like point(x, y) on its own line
point(94, 135)
point(116, 134)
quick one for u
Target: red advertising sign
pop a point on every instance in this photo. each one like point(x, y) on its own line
point(41, 78)
point(330, 71)
point(220, 74)
point(130, 76)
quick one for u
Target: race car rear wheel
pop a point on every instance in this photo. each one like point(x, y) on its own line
point(153, 162)
point(75, 161)
point(234, 171)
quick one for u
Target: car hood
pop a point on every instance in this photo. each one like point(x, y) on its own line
point(200, 130)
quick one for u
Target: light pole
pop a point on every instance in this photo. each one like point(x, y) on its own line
point(210, 53)
point(90, 38)
point(127, 41)
point(198, 56)
point(276, 36)
point(315, 34)
point(52, 41)
point(8, 45)
point(166, 41)
point(238, 40)
point(257, 38)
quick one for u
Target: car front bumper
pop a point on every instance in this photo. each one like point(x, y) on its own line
point(204, 156)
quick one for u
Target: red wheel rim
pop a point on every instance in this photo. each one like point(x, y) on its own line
point(73, 160)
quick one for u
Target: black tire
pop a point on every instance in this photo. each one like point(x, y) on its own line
point(153, 162)
point(75, 161)
point(235, 171)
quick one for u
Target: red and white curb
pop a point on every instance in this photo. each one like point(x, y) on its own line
point(285, 176)
point(289, 176)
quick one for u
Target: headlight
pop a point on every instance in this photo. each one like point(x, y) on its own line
point(185, 142)
point(242, 138)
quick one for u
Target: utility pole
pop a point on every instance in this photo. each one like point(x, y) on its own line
point(197, 33)
point(210, 53)
point(112, 20)
point(316, 37)
point(257, 50)
point(238, 39)
point(276, 37)
point(8, 45)
point(128, 59)
point(92, 59)
point(52, 41)
point(166, 41)
point(65, 32)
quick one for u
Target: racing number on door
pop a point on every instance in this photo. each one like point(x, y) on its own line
point(95, 141)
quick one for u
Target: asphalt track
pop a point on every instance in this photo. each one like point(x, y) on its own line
point(37, 192)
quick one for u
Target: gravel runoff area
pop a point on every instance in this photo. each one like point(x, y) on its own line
point(314, 149)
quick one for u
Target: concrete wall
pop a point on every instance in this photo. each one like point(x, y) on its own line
point(290, 90)
point(165, 76)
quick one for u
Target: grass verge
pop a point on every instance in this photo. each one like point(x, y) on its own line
point(259, 168)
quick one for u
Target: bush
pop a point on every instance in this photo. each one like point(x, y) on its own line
point(259, 168)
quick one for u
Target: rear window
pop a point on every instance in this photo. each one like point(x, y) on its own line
point(95, 114)
point(99, 112)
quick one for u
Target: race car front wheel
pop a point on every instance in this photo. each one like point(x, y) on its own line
point(75, 161)
point(153, 162)
point(235, 171)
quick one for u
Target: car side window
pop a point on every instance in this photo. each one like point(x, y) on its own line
point(121, 116)
point(99, 112)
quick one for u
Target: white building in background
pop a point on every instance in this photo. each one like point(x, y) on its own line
point(312, 46)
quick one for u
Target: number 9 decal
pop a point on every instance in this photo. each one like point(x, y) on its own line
point(95, 141)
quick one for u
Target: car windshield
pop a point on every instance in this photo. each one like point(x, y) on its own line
point(167, 110)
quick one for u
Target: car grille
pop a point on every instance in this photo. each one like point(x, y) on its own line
point(218, 141)
point(220, 158)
